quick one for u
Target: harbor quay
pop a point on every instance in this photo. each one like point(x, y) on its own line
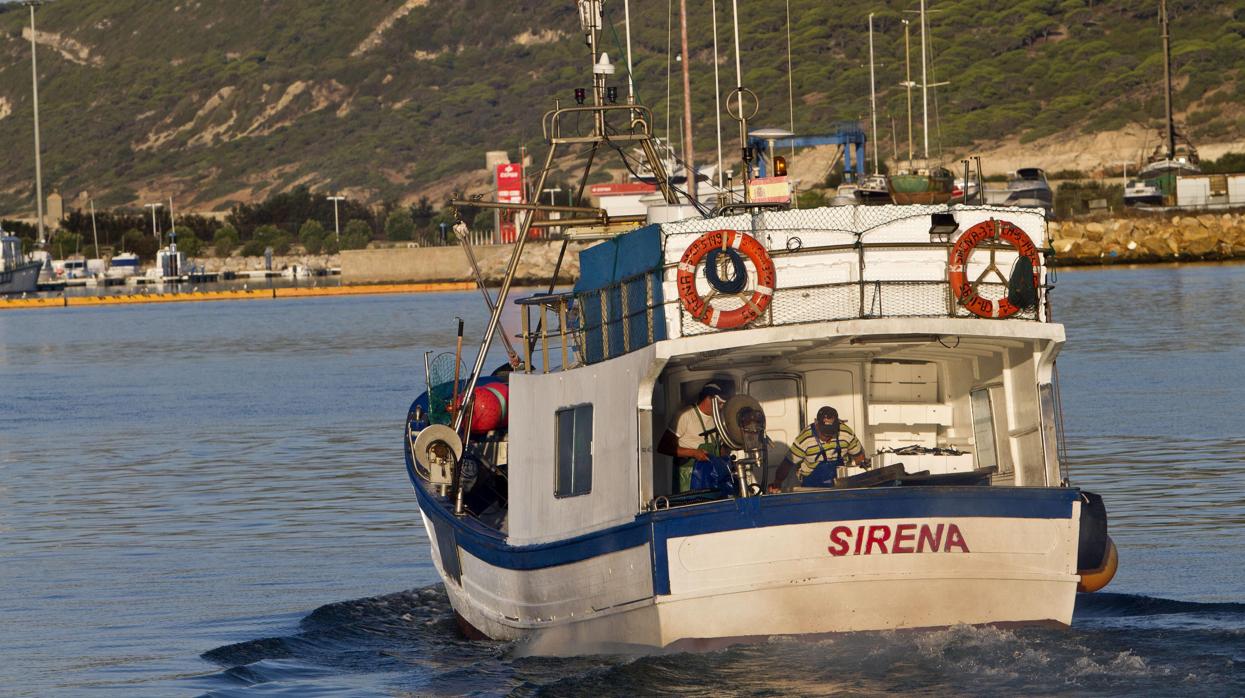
point(1150, 239)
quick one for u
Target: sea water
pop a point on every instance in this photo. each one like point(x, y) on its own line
point(209, 498)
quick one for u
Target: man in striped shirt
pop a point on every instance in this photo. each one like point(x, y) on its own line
point(819, 450)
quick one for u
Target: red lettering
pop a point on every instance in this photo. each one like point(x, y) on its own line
point(934, 539)
point(954, 538)
point(904, 533)
point(878, 535)
point(860, 537)
point(838, 540)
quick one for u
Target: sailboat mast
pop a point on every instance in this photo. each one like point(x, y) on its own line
point(1167, 81)
point(34, 91)
point(873, 98)
point(924, 89)
point(907, 62)
point(689, 153)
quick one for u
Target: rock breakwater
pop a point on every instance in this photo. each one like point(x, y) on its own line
point(1157, 239)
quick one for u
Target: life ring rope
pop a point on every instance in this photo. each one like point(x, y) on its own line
point(965, 291)
point(754, 303)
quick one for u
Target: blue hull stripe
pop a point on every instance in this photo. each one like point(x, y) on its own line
point(658, 527)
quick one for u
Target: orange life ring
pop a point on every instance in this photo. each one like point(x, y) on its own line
point(762, 292)
point(965, 292)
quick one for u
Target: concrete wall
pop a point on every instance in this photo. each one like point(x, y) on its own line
point(420, 264)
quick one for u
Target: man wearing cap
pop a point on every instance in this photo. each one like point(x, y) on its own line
point(819, 450)
point(693, 436)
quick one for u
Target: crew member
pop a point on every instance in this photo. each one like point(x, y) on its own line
point(819, 450)
point(693, 436)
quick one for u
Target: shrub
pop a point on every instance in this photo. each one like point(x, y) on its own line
point(311, 234)
point(356, 235)
point(225, 240)
point(400, 225)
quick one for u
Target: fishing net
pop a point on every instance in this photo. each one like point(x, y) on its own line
point(441, 387)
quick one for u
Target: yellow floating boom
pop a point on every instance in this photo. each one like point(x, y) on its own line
point(233, 295)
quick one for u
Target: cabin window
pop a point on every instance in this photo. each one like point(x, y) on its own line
point(983, 428)
point(574, 466)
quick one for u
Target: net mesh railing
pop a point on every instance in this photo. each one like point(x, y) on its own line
point(822, 253)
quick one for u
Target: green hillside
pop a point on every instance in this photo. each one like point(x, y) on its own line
point(230, 101)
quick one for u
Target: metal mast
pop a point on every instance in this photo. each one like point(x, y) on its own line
point(1167, 81)
point(907, 62)
point(924, 89)
point(689, 153)
point(34, 80)
point(873, 98)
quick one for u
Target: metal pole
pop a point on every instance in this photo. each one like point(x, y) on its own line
point(689, 152)
point(154, 230)
point(511, 269)
point(907, 61)
point(873, 99)
point(34, 82)
point(1167, 81)
point(488, 298)
point(924, 91)
point(630, 71)
point(717, 97)
point(94, 230)
point(337, 228)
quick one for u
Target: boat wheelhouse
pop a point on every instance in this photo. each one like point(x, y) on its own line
point(17, 273)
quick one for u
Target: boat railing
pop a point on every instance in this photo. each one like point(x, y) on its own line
point(826, 283)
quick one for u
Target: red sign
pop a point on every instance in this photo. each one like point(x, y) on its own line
point(509, 191)
point(889, 539)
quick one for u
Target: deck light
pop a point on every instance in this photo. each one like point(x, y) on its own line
point(580, 95)
point(611, 93)
point(780, 166)
point(942, 225)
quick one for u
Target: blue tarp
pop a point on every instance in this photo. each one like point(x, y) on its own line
point(637, 258)
point(616, 259)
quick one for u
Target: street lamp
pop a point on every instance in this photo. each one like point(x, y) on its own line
point(337, 228)
point(34, 81)
point(154, 230)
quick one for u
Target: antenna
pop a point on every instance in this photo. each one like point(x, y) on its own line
point(873, 99)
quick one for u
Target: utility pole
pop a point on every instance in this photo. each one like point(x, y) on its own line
point(34, 81)
point(155, 230)
point(337, 228)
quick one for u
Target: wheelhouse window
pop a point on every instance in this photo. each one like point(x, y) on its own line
point(983, 428)
point(574, 438)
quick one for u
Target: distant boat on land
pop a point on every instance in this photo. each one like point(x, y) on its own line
point(122, 266)
point(932, 185)
point(17, 274)
point(874, 189)
point(1026, 187)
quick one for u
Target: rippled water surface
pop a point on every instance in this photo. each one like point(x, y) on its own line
point(209, 499)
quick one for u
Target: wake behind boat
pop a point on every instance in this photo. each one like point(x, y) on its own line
point(619, 482)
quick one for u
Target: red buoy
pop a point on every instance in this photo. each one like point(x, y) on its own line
point(489, 403)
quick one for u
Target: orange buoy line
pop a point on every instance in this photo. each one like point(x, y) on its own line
point(233, 295)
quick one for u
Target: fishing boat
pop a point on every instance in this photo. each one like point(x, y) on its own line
point(930, 183)
point(555, 513)
point(17, 274)
point(1026, 187)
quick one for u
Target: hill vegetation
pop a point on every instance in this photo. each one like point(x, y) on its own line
point(228, 103)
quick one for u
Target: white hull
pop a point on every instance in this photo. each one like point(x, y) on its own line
point(777, 580)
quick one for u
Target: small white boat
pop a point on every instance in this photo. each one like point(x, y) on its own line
point(555, 515)
point(122, 266)
point(17, 273)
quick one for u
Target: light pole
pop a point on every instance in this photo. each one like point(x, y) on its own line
point(337, 228)
point(34, 81)
point(154, 230)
